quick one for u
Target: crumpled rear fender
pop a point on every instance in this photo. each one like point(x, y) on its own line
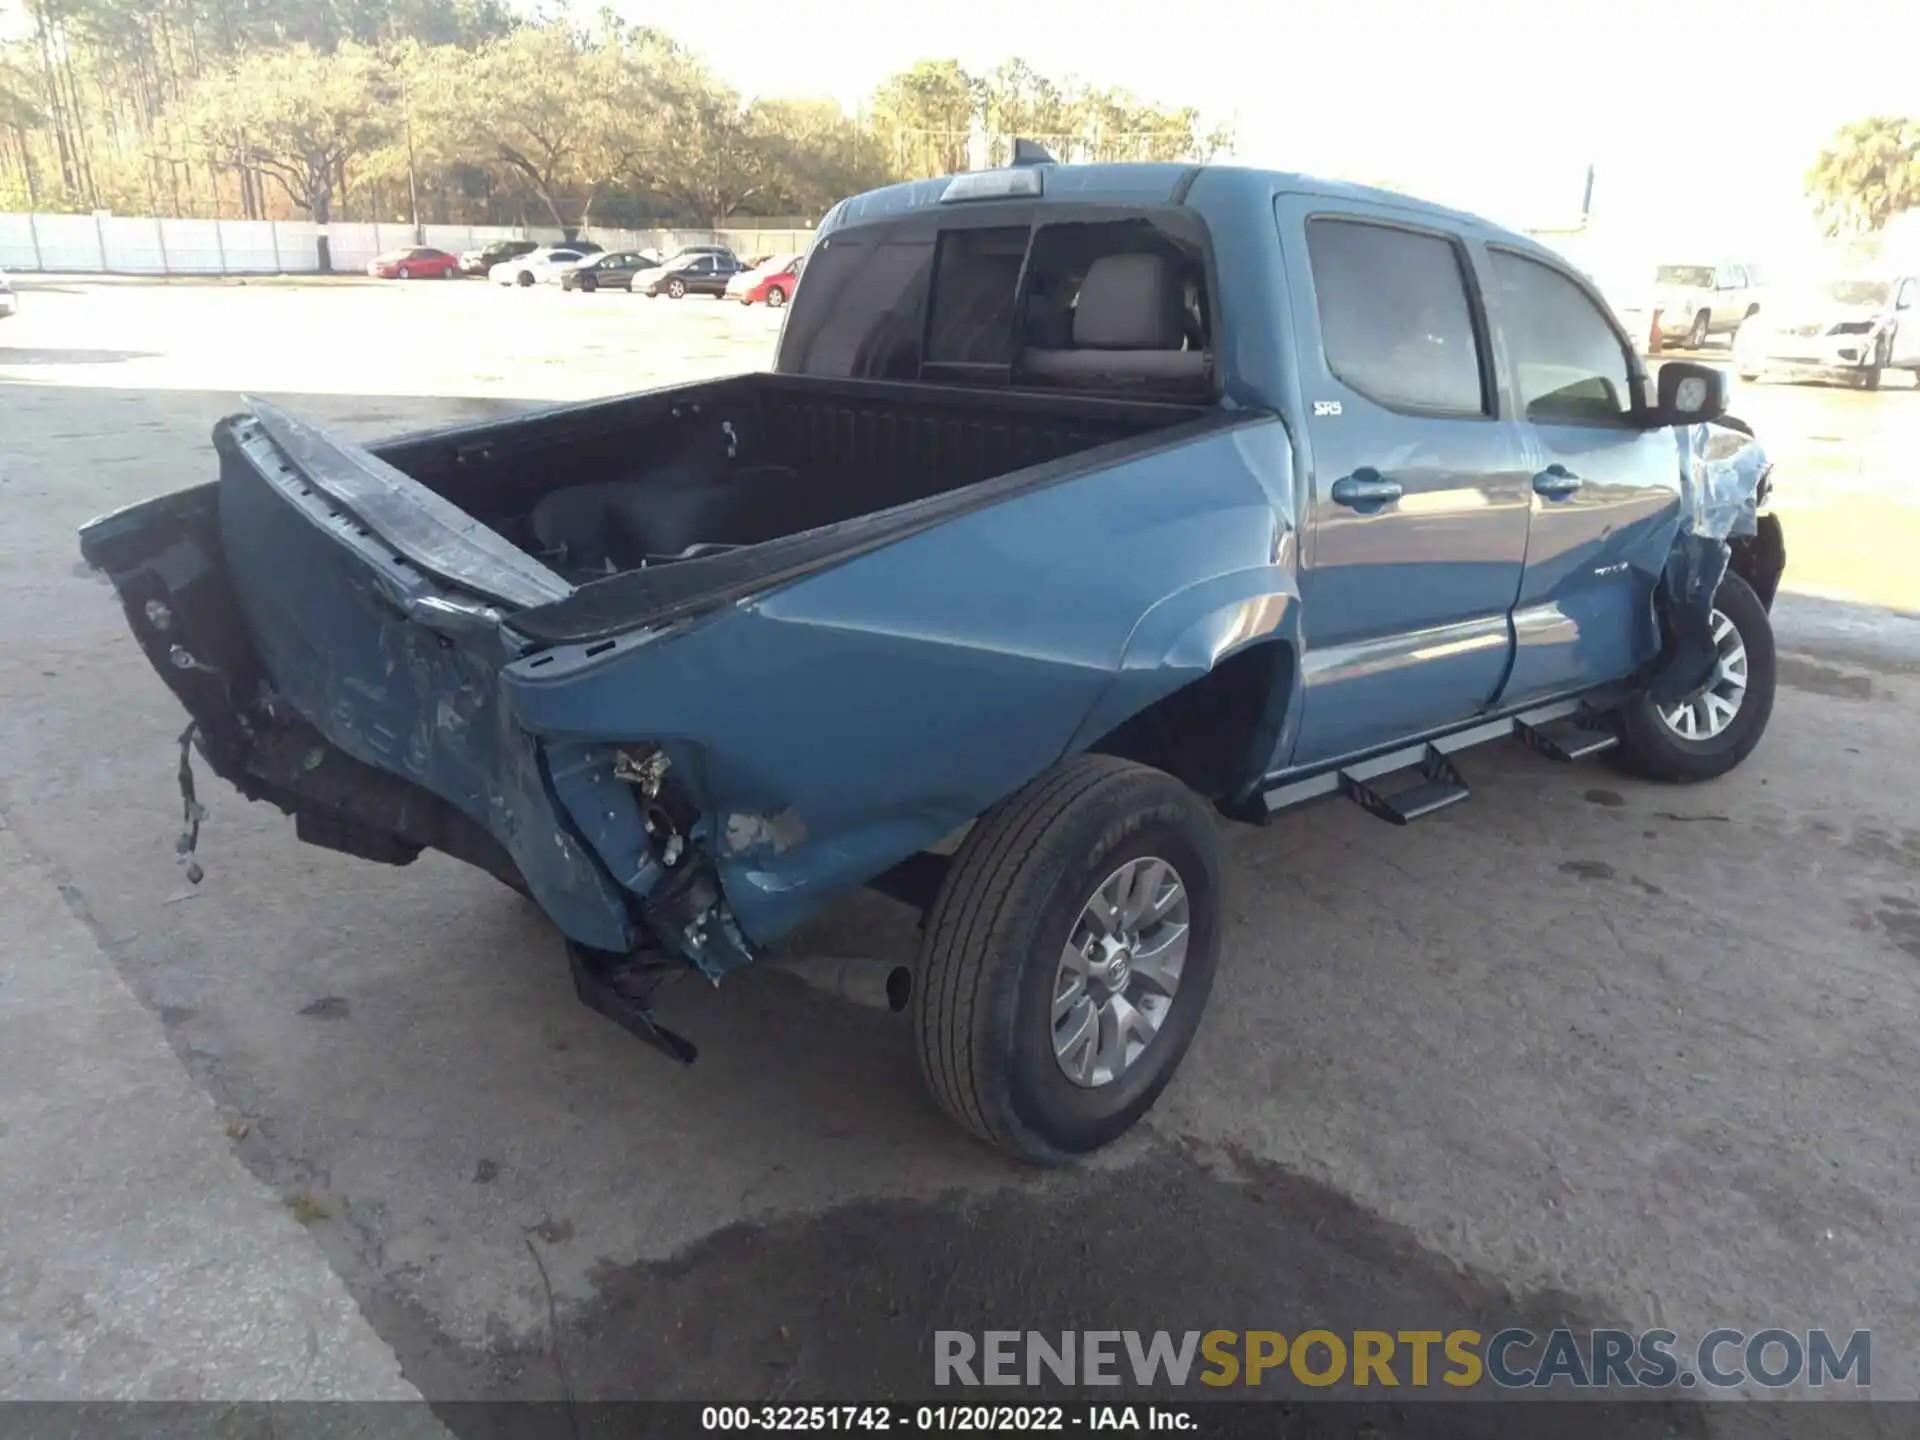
point(832, 727)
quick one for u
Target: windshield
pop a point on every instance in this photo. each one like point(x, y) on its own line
point(1859, 292)
point(773, 264)
point(1693, 277)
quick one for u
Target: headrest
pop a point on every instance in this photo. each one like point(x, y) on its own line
point(1130, 302)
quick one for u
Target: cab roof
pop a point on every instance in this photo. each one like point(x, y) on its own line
point(1152, 183)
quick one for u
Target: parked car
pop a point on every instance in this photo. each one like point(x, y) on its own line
point(414, 262)
point(535, 266)
point(1050, 534)
point(1689, 305)
point(695, 272)
point(723, 252)
point(613, 271)
point(479, 262)
point(1861, 327)
point(769, 283)
point(9, 302)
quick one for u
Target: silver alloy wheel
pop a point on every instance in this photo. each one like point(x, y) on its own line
point(1119, 971)
point(1709, 712)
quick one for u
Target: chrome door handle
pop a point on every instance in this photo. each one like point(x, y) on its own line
point(1365, 487)
point(1555, 482)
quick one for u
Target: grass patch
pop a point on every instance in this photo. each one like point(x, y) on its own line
point(307, 1207)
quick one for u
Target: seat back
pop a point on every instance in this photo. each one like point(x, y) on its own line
point(1129, 322)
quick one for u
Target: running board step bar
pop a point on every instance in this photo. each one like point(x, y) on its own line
point(1568, 740)
point(1440, 786)
point(1563, 729)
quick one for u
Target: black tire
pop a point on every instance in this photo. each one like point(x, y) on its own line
point(1650, 748)
point(676, 289)
point(1011, 901)
point(1697, 333)
point(523, 279)
point(776, 297)
point(589, 284)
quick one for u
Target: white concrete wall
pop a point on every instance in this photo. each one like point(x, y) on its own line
point(141, 245)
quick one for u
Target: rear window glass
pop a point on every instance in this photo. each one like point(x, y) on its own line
point(978, 303)
point(976, 285)
point(858, 315)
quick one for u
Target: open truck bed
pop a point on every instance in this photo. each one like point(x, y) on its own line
point(652, 506)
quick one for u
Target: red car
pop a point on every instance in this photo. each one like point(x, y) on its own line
point(415, 262)
point(770, 282)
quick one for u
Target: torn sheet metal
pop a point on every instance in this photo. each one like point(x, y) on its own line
point(1722, 469)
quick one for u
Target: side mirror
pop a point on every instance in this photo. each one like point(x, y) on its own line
point(1689, 394)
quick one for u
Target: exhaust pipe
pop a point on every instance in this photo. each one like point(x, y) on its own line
point(880, 984)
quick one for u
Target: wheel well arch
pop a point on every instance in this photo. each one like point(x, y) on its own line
point(1216, 733)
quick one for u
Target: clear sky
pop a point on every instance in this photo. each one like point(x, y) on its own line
point(1701, 115)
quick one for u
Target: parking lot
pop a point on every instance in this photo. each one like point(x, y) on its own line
point(1584, 1048)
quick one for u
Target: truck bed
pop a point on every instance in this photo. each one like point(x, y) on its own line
point(646, 503)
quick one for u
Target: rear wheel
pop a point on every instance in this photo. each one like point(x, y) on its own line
point(1069, 956)
point(776, 297)
point(1713, 730)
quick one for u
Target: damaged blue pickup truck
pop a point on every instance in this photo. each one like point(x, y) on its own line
point(1082, 504)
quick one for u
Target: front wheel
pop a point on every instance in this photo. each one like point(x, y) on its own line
point(1068, 957)
point(589, 284)
point(1713, 730)
point(1697, 332)
point(776, 297)
point(676, 290)
point(405, 273)
point(523, 279)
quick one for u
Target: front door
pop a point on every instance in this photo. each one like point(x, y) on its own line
point(1604, 491)
point(1416, 528)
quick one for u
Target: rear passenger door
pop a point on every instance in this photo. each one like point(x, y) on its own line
point(1604, 492)
point(1416, 523)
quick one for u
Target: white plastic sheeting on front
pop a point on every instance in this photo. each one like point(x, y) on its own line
point(142, 245)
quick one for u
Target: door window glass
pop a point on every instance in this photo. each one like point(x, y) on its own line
point(1395, 320)
point(1568, 364)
